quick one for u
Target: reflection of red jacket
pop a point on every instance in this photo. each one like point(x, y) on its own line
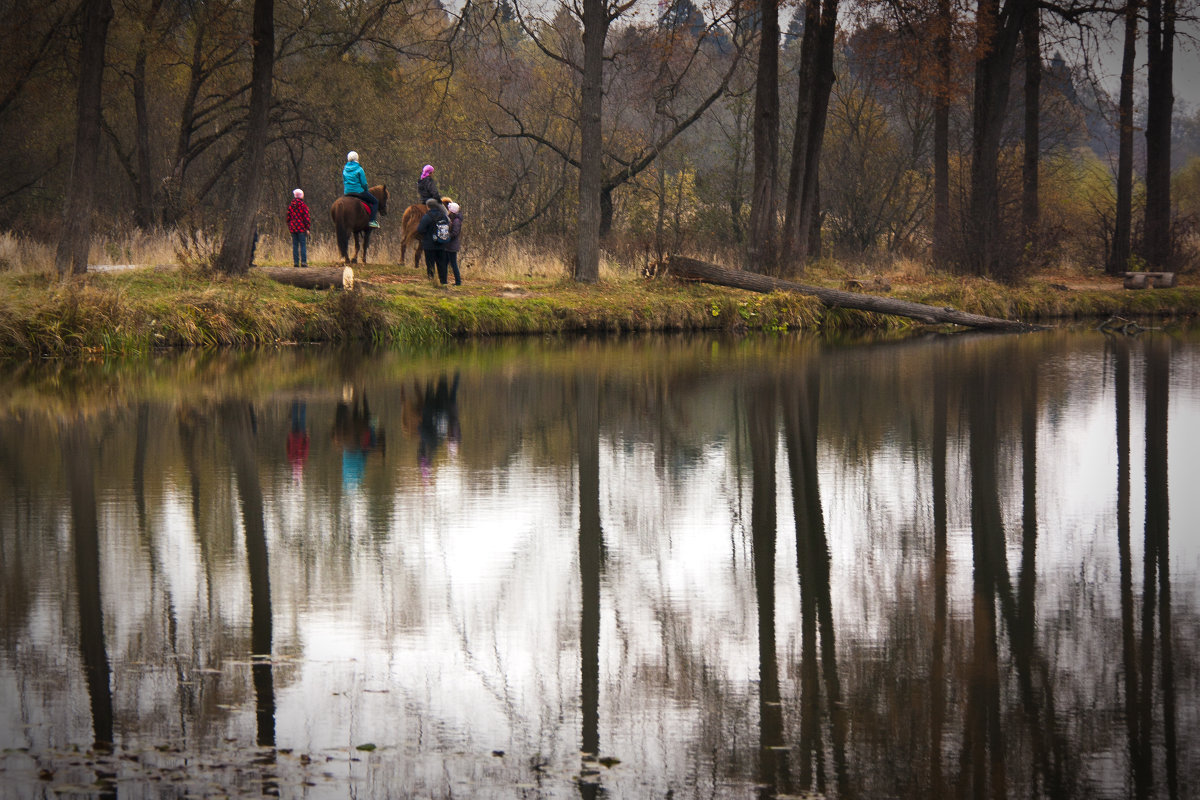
point(297, 447)
point(298, 218)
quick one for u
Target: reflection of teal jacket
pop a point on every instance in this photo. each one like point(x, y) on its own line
point(354, 179)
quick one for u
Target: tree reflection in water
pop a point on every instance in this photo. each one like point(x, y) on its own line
point(947, 625)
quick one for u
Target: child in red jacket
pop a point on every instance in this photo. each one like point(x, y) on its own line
point(299, 222)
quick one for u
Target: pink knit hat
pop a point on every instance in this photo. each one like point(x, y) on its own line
point(298, 194)
point(427, 170)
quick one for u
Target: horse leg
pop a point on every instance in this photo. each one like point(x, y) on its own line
point(366, 243)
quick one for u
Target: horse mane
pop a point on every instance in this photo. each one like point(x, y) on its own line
point(381, 194)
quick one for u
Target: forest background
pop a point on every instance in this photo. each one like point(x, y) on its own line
point(979, 138)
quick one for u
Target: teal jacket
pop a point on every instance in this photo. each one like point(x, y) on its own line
point(354, 179)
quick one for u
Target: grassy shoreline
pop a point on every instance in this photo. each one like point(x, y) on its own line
point(137, 311)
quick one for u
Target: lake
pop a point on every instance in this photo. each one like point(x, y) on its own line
point(668, 567)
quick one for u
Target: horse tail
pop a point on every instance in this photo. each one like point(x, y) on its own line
point(343, 241)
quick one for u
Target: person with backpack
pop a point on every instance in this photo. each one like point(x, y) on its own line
point(454, 212)
point(299, 223)
point(434, 230)
point(354, 184)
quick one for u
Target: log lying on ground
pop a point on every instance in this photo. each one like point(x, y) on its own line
point(691, 269)
point(309, 277)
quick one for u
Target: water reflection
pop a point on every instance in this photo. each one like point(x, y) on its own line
point(682, 565)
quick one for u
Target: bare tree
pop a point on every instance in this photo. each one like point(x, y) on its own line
point(234, 258)
point(1032, 43)
point(72, 254)
point(1160, 101)
point(762, 254)
point(802, 229)
point(997, 30)
point(1122, 248)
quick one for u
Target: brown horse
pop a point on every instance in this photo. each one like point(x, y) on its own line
point(408, 230)
point(350, 216)
point(408, 233)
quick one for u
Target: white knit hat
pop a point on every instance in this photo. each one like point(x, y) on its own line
point(298, 194)
point(453, 208)
point(352, 156)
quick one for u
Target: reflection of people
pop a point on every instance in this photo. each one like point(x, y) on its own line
point(439, 420)
point(355, 431)
point(297, 440)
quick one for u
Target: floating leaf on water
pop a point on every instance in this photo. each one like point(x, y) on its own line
point(610, 761)
point(367, 747)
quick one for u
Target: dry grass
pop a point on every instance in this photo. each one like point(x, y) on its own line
point(136, 248)
point(22, 254)
point(502, 260)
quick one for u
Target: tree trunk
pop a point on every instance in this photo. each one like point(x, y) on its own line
point(606, 211)
point(144, 211)
point(235, 255)
point(793, 245)
point(591, 142)
point(691, 269)
point(1160, 101)
point(71, 257)
point(802, 227)
point(310, 278)
point(1030, 215)
point(998, 31)
point(1122, 243)
point(941, 139)
point(762, 254)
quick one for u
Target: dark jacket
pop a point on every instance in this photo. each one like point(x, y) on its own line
point(427, 189)
point(427, 226)
point(455, 231)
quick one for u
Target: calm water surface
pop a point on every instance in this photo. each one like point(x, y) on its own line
point(662, 567)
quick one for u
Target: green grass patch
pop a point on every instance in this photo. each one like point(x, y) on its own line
point(138, 311)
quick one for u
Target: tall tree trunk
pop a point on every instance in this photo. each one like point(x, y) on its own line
point(802, 230)
point(234, 258)
point(997, 32)
point(1030, 214)
point(793, 245)
point(941, 139)
point(144, 212)
point(809, 220)
point(1122, 243)
point(71, 257)
point(762, 254)
point(1160, 101)
point(595, 31)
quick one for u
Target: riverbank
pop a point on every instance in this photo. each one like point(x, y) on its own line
point(135, 311)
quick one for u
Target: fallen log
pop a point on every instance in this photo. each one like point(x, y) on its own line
point(312, 277)
point(692, 269)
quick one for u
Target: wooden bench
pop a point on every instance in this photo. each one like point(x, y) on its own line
point(1154, 280)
